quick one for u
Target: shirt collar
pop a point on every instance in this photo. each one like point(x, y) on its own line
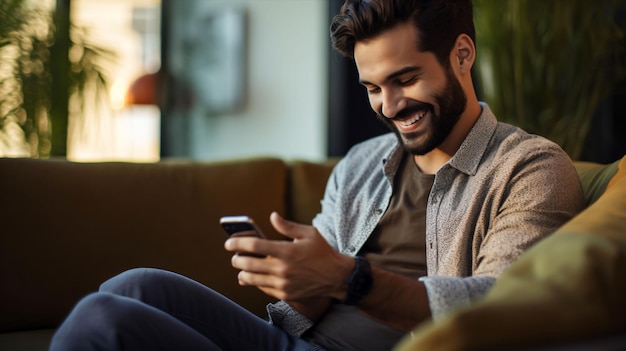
point(467, 157)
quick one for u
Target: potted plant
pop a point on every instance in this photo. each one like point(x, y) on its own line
point(27, 63)
point(547, 66)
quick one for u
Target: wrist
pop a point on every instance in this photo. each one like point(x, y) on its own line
point(343, 268)
point(359, 283)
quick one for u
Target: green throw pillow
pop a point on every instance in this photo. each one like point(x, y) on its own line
point(594, 178)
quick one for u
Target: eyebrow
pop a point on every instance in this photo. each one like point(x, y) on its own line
point(395, 74)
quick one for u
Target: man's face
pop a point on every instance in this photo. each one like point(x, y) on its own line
point(409, 90)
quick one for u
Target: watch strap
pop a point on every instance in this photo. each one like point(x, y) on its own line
point(359, 282)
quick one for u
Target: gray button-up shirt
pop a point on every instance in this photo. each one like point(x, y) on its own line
point(500, 193)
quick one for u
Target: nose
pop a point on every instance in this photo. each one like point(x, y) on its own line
point(392, 102)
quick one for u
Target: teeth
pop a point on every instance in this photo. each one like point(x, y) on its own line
point(412, 120)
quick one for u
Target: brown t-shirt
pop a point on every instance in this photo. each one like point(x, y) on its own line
point(398, 243)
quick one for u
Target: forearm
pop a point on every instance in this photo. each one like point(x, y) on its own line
point(403, 303)
point(395, 300)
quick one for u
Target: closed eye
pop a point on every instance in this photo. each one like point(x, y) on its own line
point(409, 81)
point(373, 90)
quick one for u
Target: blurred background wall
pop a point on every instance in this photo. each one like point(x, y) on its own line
point(143, 80)
point(282, 81)
point(272, 53)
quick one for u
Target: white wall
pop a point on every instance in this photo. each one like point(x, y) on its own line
point(285, 112)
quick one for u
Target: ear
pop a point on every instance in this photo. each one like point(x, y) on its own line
point(463, 54)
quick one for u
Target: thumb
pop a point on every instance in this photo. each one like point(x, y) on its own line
point(287, 228)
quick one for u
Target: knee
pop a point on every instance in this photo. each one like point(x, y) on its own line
point(133, 282)
point(90, 320)
point(96, 310)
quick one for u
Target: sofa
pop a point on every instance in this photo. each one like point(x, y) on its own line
point(66, 227)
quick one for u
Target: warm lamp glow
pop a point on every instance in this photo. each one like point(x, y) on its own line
point(142, 91)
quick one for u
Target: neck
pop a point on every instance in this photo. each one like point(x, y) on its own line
point(431, 162)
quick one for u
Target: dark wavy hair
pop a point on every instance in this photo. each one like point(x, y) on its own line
point(438, 23)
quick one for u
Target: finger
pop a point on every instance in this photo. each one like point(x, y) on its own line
point(261, 281)
point(248, 279)
point(275, 293)
point(243, 244)
point(255, 246)
point(285, 227)
point(250, 263)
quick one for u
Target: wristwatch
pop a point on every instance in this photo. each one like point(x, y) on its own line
point(359, 282)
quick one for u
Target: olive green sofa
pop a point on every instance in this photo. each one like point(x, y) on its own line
point(66, 227)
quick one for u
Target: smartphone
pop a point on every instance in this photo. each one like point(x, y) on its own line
point(240, 226)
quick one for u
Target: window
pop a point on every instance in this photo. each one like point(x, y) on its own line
point(127, 128)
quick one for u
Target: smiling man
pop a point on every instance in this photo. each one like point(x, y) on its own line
point(414, 223)
point(405, 86)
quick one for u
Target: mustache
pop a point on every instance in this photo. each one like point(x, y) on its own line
point(408, 111)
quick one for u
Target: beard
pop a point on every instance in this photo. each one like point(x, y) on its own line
point(451, 101)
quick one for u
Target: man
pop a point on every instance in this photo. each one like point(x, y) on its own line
point(413, 224)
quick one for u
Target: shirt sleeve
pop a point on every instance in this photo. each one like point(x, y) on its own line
point(287, 318)
point(531, 196)
point(446, 294)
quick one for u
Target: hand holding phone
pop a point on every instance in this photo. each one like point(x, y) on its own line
point(237, 226)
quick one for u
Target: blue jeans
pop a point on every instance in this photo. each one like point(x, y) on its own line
point(150, 309)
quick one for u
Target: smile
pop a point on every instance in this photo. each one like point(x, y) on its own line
point(410, 121)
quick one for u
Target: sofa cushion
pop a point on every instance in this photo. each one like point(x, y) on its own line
point(568, 288)
point(621, 173)
point(33, 340)
point(67, 227)
point(306, 184)
point(594, 178)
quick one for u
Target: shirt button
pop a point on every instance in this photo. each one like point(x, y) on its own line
point(379, 211)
